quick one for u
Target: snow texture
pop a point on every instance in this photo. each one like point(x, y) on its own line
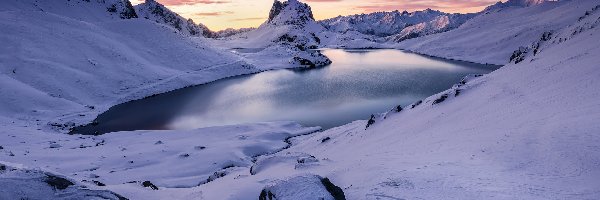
point(492, 37)
point(526, 131)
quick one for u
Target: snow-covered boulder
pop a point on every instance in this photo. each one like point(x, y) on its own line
point(306, 187)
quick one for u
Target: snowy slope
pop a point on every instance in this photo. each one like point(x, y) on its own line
point(514, 3)
point(67, 61)
point(157, 12)
point(493, 36)
point(24, 183)
point(174, 161)
point(526, 131)
point(288, 37)
point(83, 10)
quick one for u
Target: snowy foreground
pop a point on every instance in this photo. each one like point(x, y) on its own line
point(526, 131)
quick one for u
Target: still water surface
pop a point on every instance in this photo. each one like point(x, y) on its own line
point(357, 84)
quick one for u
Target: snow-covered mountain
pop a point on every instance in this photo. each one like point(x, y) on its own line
point(69, 56)
point(515, 3)
point(383, 24)
point(517, 133)
point(157, 12)
point(438, 24)
point(230, 32)
point(526, 131)
point(492, 37)
point(84, 10)
point(289, 36)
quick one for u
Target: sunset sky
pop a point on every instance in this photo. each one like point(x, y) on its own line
point(221, 14)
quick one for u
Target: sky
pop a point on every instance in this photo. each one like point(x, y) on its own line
point(222, 14)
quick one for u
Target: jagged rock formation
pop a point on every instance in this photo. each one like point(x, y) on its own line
point(157, 12)
point(398, 25)
point(291, 12)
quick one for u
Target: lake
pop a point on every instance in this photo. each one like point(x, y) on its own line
point(357, 84)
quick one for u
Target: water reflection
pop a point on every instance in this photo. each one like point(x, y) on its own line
point(358, 83)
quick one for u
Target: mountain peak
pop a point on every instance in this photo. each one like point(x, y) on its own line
point(157, 12)
point(290, 12)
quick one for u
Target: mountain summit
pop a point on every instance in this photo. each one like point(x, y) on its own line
point(291, 12)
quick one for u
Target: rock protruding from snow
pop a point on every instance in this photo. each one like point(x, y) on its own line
point(303, 187)
point(158, 13)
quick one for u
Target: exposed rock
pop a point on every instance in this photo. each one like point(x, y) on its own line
point(399, 108)
point(335, 191)
point(150, 185)
point(414, 105)
point(58, 182)
point(199, 147)
point(370, 122)
point(440, 99)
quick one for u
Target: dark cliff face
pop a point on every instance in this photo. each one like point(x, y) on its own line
point(275, 10)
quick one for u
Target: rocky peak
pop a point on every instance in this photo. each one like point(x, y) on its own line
point(291, 12)
point(158, 13)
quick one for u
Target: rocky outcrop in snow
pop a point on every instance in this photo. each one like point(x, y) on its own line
point(158, 13)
